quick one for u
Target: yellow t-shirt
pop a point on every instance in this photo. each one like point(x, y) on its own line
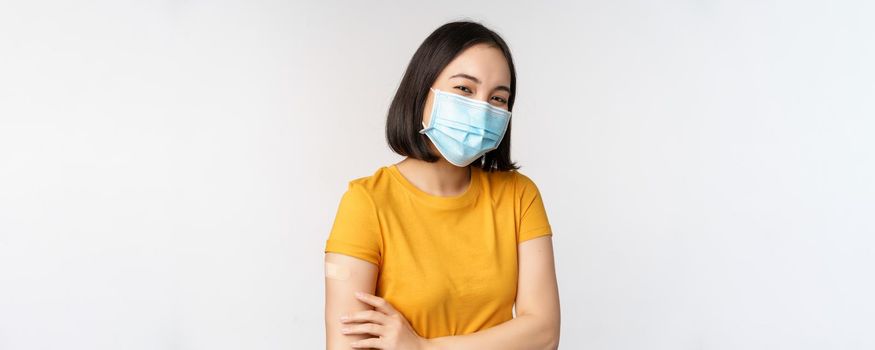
point(449, 264)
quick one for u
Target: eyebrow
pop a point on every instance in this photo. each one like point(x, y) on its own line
point(474, 79)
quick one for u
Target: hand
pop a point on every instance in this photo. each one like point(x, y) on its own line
point(392, 330)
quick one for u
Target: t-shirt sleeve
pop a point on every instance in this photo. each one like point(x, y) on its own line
point(356, 229)
point(533, 220)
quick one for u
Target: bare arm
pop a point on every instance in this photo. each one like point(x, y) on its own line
point(352, 275)
point(536, 326)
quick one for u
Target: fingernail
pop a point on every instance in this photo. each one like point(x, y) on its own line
point(359, 294)
point(344, 330)
point(344, 318)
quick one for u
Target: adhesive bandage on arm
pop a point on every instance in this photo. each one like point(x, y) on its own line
point(336, 271)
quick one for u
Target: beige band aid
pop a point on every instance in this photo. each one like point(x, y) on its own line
point(336, 271)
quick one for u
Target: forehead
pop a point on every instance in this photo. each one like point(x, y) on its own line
point(482, 61)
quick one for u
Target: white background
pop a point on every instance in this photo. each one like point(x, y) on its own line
point(169, 170)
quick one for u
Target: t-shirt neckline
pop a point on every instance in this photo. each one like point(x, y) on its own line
point(447, 202)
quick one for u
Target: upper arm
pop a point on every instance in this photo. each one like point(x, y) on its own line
point(354, 248)
point(355, 275)
point(537, 290)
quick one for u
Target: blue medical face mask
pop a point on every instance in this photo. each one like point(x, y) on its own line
point(464, 129)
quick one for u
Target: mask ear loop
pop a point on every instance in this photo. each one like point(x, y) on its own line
point(431, 113)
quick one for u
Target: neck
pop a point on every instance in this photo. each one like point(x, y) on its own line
point(439, 178)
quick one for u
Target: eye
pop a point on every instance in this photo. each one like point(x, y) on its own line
point(464, 88)
point(499, 99)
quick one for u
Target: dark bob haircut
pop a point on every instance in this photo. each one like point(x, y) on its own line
point(433, 55)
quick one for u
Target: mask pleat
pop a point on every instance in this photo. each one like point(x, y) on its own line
point(464, 130)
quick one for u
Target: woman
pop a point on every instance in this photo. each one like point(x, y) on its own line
point(433, 252)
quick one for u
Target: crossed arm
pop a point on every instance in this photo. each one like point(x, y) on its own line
point(535, 327)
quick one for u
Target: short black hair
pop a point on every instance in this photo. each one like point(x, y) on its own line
point(437, 51)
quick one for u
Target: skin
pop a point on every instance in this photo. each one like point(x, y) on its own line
point(489, 68)
point(479, 72)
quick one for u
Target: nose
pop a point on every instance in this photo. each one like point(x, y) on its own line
point(484, 97)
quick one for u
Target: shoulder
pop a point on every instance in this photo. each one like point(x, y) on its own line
point(513, 180)
point(526, 189)
point(523, 180)
point(371, 185)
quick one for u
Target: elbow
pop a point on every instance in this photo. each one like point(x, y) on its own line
point(552, 331)
point(548, 334)
point(548, 340)
point(546, 331)
point(554, 345)
point(553, 339)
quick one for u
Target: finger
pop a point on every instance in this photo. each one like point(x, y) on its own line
point(365, 316)
point(372, 343)
point(363, 328)
point(381, 304)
